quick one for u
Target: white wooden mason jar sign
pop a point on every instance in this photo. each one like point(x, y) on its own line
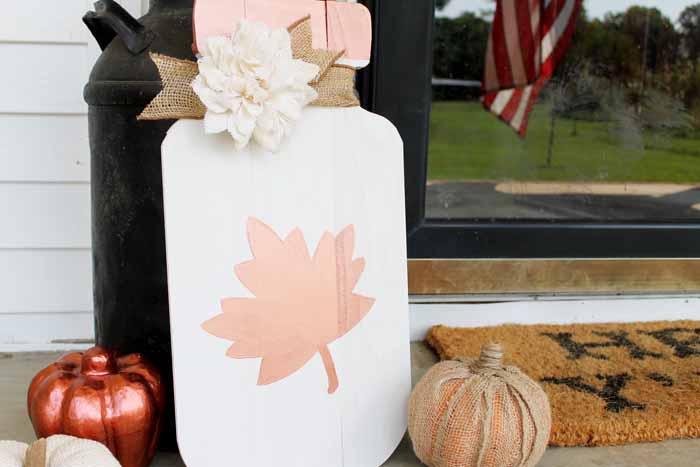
point(287, 282)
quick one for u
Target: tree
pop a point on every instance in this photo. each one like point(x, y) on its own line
point(577, 51)
point(649, 26)
point(572, 94)
point(689, 22)
point(459, 49)
point(441, 4)
point(601, 45)
point(663, 112)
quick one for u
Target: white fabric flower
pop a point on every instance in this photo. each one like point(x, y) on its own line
point(252, 86)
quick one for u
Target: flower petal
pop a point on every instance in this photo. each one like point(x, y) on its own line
point(211, 76)
point(209, 97)
point(252, 86)
point(268, 140)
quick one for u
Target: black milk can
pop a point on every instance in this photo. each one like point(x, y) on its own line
point(128, 242)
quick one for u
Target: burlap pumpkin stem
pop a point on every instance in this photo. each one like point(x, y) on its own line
point(479, 413)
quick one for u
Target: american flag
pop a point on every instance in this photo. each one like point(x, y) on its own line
point(528, 40)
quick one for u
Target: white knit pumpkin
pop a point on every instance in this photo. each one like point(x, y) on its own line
point(61, 451)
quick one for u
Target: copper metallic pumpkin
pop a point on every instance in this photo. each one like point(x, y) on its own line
point(97, 395)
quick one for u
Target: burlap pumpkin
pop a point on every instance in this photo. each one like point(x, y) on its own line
point(479, 413)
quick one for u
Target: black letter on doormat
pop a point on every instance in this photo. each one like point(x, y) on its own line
point(618, 339)
point(681, 348)
point(610, 393)
point(664, 380)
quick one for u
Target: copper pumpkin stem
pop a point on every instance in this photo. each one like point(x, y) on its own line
point(491, 357)
point(98, 361)
point(330, 369)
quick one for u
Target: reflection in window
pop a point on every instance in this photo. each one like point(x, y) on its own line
point(615, 135)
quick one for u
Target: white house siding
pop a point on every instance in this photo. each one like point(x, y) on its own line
point(45, 262)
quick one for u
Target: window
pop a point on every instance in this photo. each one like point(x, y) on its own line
point(610, 168)
point(614, 136)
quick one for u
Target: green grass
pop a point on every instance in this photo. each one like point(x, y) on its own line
point(466, 142)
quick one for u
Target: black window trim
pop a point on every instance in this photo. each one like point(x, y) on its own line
point(397, 85)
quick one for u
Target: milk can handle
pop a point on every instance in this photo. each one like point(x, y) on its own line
point(109, 20)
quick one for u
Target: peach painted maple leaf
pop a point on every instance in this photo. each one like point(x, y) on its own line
point(301, 303)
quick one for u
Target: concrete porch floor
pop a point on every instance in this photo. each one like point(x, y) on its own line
point(16, 371)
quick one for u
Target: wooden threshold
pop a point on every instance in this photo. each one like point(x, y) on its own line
point(553, 276)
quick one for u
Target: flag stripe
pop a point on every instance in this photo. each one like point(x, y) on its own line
point(535, 8)
point(551, 38)
point(500, 51)
point(501, 100)
point(526, 37)
point(513, 43)
point(517, 120)
point(565, 38)
point(488, 99)
point(528, 40)
point(513, 103)
point(491, 75)
point(531, 103)
point(535, 15)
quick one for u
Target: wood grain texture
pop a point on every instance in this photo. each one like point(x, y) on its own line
point(327, 175)
point(41, 215)
point(45, 261)
point(43, 78)
point(40, 328)
point(44, 148)
point(43, 22)
point(44, 281)
point(53, 22)
point(568, 276)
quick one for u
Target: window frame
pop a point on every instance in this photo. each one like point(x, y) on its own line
point(397, 85)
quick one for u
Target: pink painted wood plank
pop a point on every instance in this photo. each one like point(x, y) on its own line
point(349, 24)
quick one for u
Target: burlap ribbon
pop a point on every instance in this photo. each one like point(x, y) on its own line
point(335, 84)
point(36, 454)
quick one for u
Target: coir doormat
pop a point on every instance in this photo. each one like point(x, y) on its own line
point(607, 383)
